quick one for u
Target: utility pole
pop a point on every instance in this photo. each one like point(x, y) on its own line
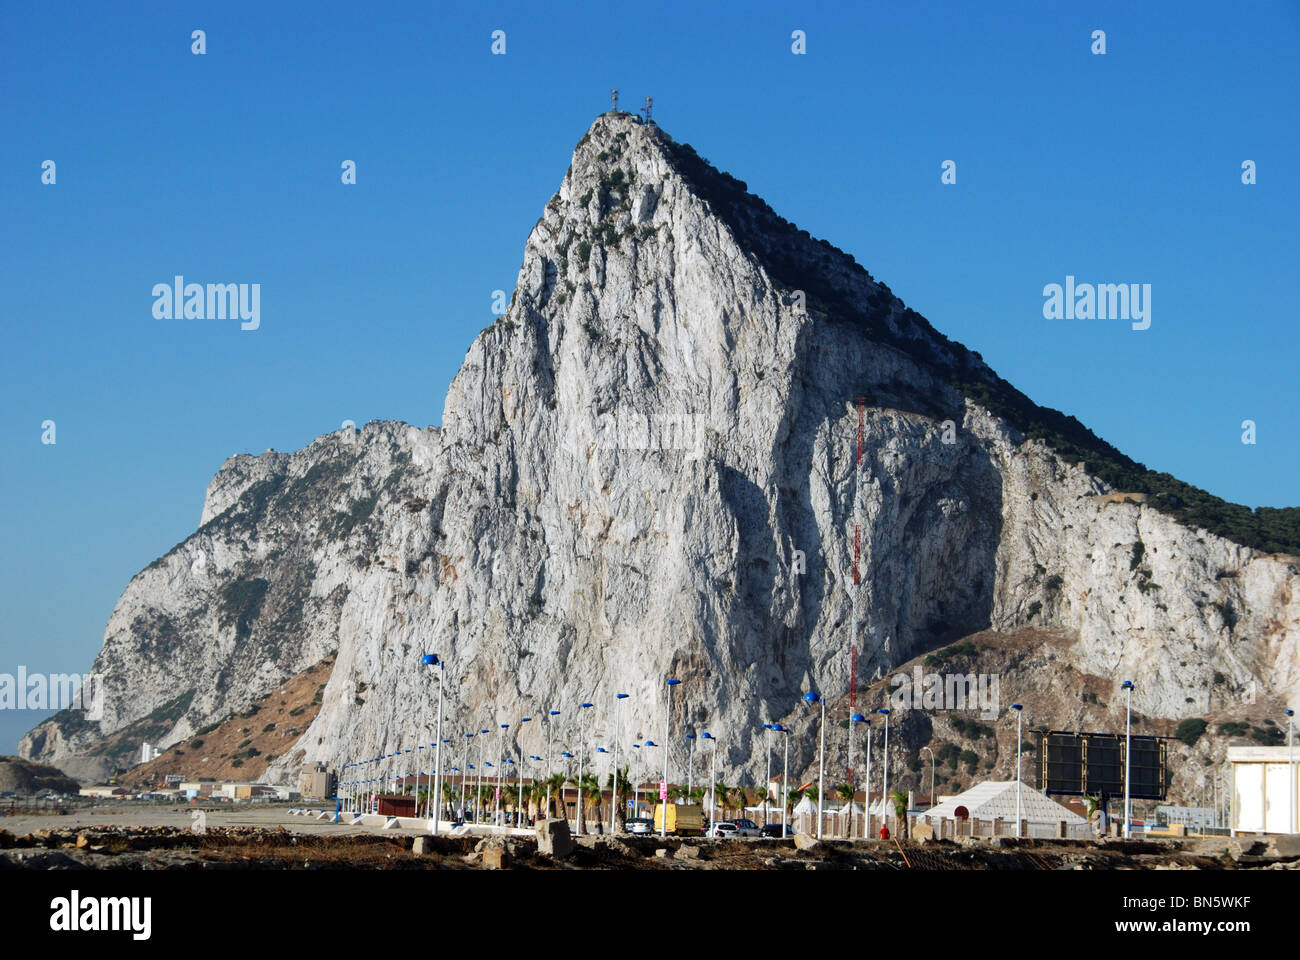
point(649, 102)
point(613, 100)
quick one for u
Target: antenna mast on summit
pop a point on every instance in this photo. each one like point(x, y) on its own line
point(649, 102)
point(613, 100)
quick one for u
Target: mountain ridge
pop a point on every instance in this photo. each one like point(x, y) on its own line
point(559, 535)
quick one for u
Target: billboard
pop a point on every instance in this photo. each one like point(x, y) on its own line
point(1093, 763)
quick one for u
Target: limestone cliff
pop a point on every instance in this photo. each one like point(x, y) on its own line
point(647, 469)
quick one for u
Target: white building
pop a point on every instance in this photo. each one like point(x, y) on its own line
point(1264, 798)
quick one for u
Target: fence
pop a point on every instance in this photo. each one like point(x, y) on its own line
point(33, 806)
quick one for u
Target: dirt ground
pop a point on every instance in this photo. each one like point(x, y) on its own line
point(266, 837)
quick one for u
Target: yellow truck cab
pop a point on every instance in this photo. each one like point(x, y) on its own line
point(684, 819)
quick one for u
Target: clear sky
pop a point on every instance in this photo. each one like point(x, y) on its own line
point(225, 167)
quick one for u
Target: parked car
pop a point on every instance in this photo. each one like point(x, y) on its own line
point(723, 828)
point(640, 825)
point(746, 828)
point(773, 830)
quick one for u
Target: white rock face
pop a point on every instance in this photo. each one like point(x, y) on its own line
point(633, 461)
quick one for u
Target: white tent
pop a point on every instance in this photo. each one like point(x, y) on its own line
point(841, 811)
point(997, 799)
point(806, 805)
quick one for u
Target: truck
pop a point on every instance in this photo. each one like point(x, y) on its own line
point(684, 819)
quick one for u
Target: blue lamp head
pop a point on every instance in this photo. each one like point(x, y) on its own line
point(1017, 706)
point(707, 736)
point(690, 736)
point(601, 750)
point(525, 719)
point(566, 753)
point(585, 705)
point(555, 713)
point(857, 718)
point(672, 681)
point(431, 659)
point(535, 757)
point(884, 710)
point(485, 730)
point(811, 696)
point(504, 726)
point(651, 743)
point(1126, 685)
point(1289, 713)
point(621, 696)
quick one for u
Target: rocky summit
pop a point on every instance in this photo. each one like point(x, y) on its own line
point(648, 468)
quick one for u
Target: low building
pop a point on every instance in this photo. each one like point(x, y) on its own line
point(104, 792)
point(317, 782)
point(1265, 790)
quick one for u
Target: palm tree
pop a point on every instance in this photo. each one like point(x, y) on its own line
point(555, 785)
point(624, 788)
point(588, 791)
point(792, 797)
point(899, 799)
point(721, 798)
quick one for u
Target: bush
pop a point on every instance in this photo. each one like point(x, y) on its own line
point(1190, 730)
point(970, 758)
point(584, 252)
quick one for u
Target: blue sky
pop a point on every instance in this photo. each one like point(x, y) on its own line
point(225, 168)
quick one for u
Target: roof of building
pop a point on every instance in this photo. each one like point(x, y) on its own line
point(997, 798)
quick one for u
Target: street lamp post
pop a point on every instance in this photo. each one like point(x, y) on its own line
point(636, 779)
point(478, 800)
point(1020, 716)
point(668, 709)
point(866, 816)
point(1293, 827)
point(599, 816)
point(713, 780)
point(501, 750)
point(813, 697)
point(567, 755)
point(464, 773)
point(856, 718)
point(432, 660)
point(931, 753)
point(690, 765)
point(581, 821)
point(649, 743)
point(884, 817)
point(519, 813)
point(767, 784)
point(1128, 751)
point(550, 722)
point(785, 778)
point(613, 803)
